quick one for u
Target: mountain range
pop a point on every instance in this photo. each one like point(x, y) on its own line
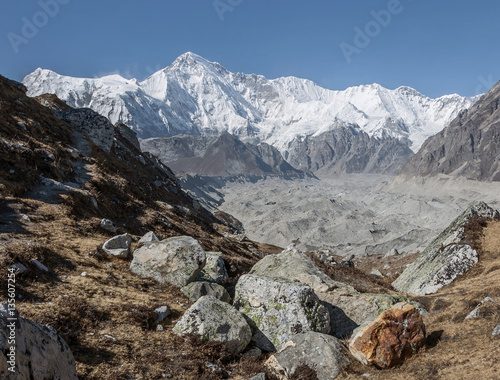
point(361, 129)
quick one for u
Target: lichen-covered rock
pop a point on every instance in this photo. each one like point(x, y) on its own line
point(176, 260)
point(447, 257)
point(347, 307)
point(40, 353)
point(213, 319)
point(108, 225)
point(148, 238)
point(214, 270)
point(392, 337)
point(278, 308)
point(118, 246)
point(325, 353)
point(198, 289)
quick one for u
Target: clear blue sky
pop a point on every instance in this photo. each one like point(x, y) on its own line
point(437, 47)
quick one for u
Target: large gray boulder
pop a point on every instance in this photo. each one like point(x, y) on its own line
point(214, 270)
point(347, 307)
point(213, 319)
point(39, 352)
point(325, 353)
point(446, 258)
point(198, 289)
point(278, 308)
point(176, 260)
point(118, 246)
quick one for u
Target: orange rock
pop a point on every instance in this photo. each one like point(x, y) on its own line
point(393, 336)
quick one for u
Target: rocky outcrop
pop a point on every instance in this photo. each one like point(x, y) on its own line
point(347, 149)
point(39, 352)
point(176, 260)
point(326, 354)
point(118, 246)
point(395, 335)
point(468, 147)
point(214, 269)
point(213, 319)
point(98, 128)
point(446, 258)
point(198, 289)
point(278, 308)
point(347, 307)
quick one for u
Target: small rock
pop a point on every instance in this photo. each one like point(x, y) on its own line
point(393, 336)
point(211, 366)
point(159, 328)
point(475, 313)
point(162, 312)
point(110, 266)
point(253, 353)
point(149, 237)
point(20, 268)
point(348, 261)
point(259, 376)
point(118, 246)
point(110, 337)
point(84, 274)
point(39, 265)
point(496, 330)
point(198, 289)
point(94, 202)
point(375, 272)
point(108, 225)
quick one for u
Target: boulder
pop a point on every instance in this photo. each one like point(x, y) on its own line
point(214, 270)
point(118, 246)
point(325, 353)
point(198, 289)
point(347, 307)
point(108, 225)
point(213, 319)
point(393, 336)
point(278, 308)
point(149, 238)
point(446, 258)
point(176, 260)
point(39, 352)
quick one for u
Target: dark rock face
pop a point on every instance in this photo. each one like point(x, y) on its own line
point(223, 156)
point(347, 149)
point(468, 147)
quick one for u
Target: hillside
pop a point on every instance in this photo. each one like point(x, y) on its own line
point(468, 147)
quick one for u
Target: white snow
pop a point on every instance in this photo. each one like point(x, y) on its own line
point(195, 96)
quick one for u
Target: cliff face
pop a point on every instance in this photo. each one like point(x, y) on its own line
point(468, 147)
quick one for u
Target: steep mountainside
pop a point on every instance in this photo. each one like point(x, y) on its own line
point(223, 156)
point(195, 96)
point(469, 146)
point(347, 149)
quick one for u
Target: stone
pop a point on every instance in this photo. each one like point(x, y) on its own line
point(496, 330)
point(255, 352)
point(108, 225)
point(445, 258)
point(475, 313)
point(214, 270)
point(198, 289)
point(375, 272)
point(177, 260)
point(324, 353)
point(19, 268)
point(347, 307)
point(393, 336)
point(162, 312)
point(148, 238)
point(118, 246)
point(213, 319)
point(40, 353)
point(278, 308)
point(39, 265)
point(259, 376)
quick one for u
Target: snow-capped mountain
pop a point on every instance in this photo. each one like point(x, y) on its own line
point(195, 96)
